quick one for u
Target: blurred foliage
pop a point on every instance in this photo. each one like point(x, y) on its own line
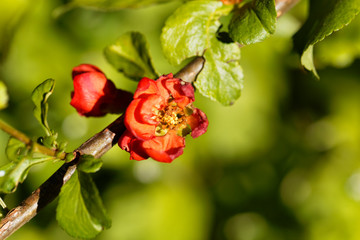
point(281, 163)
point(4, 98)
point(325, 17)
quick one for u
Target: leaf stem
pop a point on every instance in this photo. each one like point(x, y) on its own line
point(25, 139)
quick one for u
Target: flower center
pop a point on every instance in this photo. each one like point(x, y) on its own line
point(172, 117)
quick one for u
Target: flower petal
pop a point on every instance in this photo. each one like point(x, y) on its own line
point(149, 107)
point(166, 148)
point(134, 121)
point(146, 86)
point(198, 123)
point(182, 92)
point(132, 145)
point(83, 68)
point(88, 90)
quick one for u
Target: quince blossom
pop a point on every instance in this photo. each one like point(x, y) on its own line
point(159, 117)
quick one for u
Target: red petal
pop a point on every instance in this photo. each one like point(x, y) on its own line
point(161, 85)
point(198, 123)
point(88, 91)
point(166, 148)
point(83, 68)
point(132, 145)
point(134, 121)
point(148, 107)
point(182, 92)
point(145, 87)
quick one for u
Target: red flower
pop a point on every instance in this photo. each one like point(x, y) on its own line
point(94, 94)
point(159, 118)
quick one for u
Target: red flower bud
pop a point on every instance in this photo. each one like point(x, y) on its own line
point(229, 2)
point(159, 118)
point(94, 94)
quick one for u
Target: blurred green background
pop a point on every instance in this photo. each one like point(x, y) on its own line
point(282, 163)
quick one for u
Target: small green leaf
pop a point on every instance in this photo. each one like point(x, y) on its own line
point(4, 98)
point(80, 211)
point(307, 60)
point(15, 149)
point(89, 164)
point(40, 96)
point(325, 17)
point(221, 77)
point(21, 160)
point(108, 5)
point(130, 55)
point(189, 30)
point(253, 22)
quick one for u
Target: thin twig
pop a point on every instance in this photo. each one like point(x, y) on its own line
point(98, 145)
point(25, 139)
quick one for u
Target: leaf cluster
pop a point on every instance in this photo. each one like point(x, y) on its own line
point(23, 156)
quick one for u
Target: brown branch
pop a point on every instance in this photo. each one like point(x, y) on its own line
point(98, 145)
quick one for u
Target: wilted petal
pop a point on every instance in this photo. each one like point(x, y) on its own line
point(175, 87)
point(198, 123)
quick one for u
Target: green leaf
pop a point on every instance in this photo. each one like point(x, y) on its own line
point(116, 4)
point(89, 164)
point(189, 30)
point(325, 17)
point(221, 77)
point(253, 22)
point(4, 98)
point(80, 211)
point(21, 161)
point(40, 96)
point(15, 149)
point(130, 55)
